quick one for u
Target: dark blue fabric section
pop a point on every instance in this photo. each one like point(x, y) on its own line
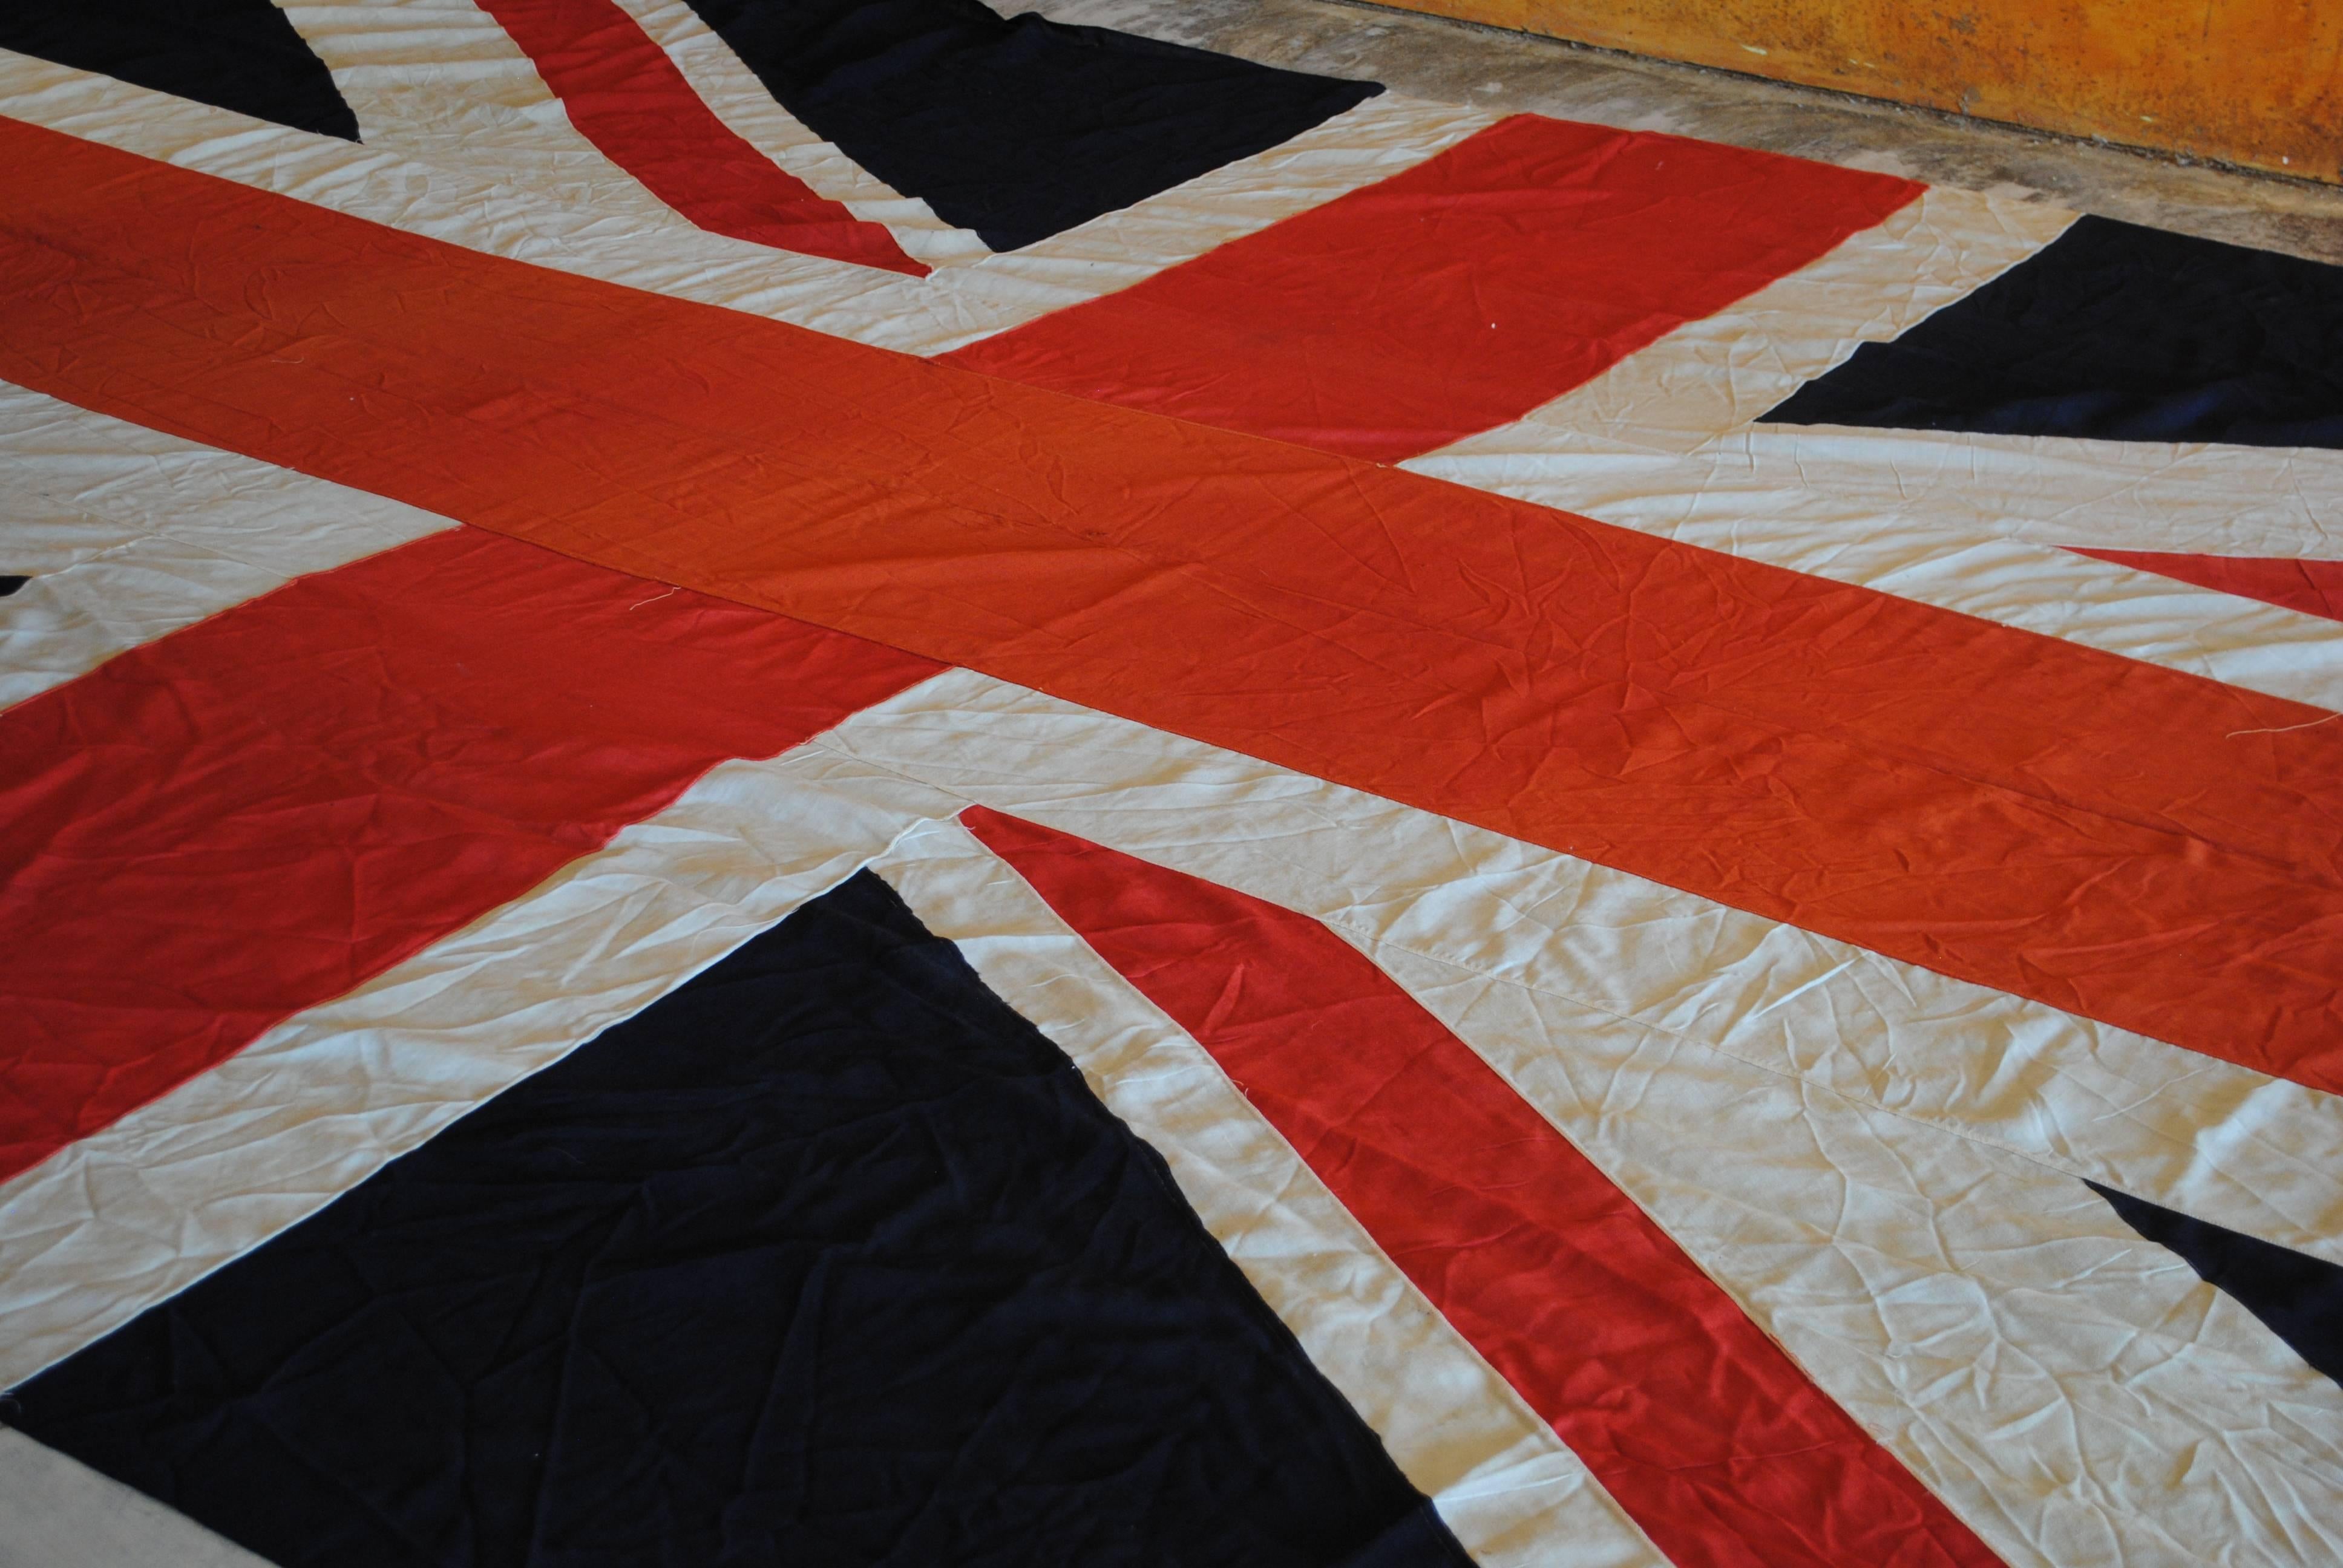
point(2115, 331)
point(2299, 1297)
point(240, 54)
point(1015, 129)
point(829, 1257)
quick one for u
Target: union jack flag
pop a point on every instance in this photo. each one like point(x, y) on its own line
point(847, 782)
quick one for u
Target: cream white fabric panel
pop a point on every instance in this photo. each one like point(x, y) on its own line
point(57, 1513)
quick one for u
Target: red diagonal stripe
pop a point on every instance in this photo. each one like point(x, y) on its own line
point(2109, 837)
point(2314, 588)
point(1454, 298)
point(257, 813)
point(1702, 1428)
point(627, 98)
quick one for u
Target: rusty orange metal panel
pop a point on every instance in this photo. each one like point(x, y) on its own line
point(2255, 82)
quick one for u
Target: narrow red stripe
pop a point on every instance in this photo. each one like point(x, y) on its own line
point(1699, 1425)
point(627, 98)
point(1455, 297)
point(257, 813)
point(2109, 837)
point(2314, 588)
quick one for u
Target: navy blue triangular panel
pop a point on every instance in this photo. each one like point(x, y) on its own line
point(240, 54)
point(829, 1257)
point(2297, 1296)
point(2115, 331)
point(1015, 129)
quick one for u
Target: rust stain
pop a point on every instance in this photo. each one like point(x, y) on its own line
point(2255, 82)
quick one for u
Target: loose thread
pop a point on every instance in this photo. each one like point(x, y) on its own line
point(2287, 729)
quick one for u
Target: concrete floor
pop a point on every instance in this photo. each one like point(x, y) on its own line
point(1458, 61)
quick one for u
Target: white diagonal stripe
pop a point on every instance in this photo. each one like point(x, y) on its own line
point(132, 1215)
point(1716, 374)
point(128, 534)
point(2256, 1153)
point(1877, 1160)
point(467, 144)
point(1992, 1321)
point(1512, 1492)
point(734, 95)
point(1982, 1313)
point(1665, 443)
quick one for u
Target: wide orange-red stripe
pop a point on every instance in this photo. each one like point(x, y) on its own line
point(2109, 837)
point(1702, 1428)
point(262, 811)
point(1455, 297)
point(627, 98)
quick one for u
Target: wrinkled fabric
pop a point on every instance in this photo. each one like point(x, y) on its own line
point(239, 54)
point(2306, 587)
point(2299, 1297)
point(1764, 906)
point(627, 98)
point(126, 535)
point(266, 1138)
point(1980, 1311)
point(2005, 808)
point(1018, 129)
point(2119, 332)
point(264, 810)
point(829, 1256)
point(1458, 295)
point(1953, 1061)
point(2028, 531)
point(487, 159)
point(1508, 1488)
point(1725, 1452)
point(53, 1510)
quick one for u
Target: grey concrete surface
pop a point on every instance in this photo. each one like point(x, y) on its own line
point(1457, 62)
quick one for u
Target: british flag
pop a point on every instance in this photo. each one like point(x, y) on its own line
point(846, 781)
